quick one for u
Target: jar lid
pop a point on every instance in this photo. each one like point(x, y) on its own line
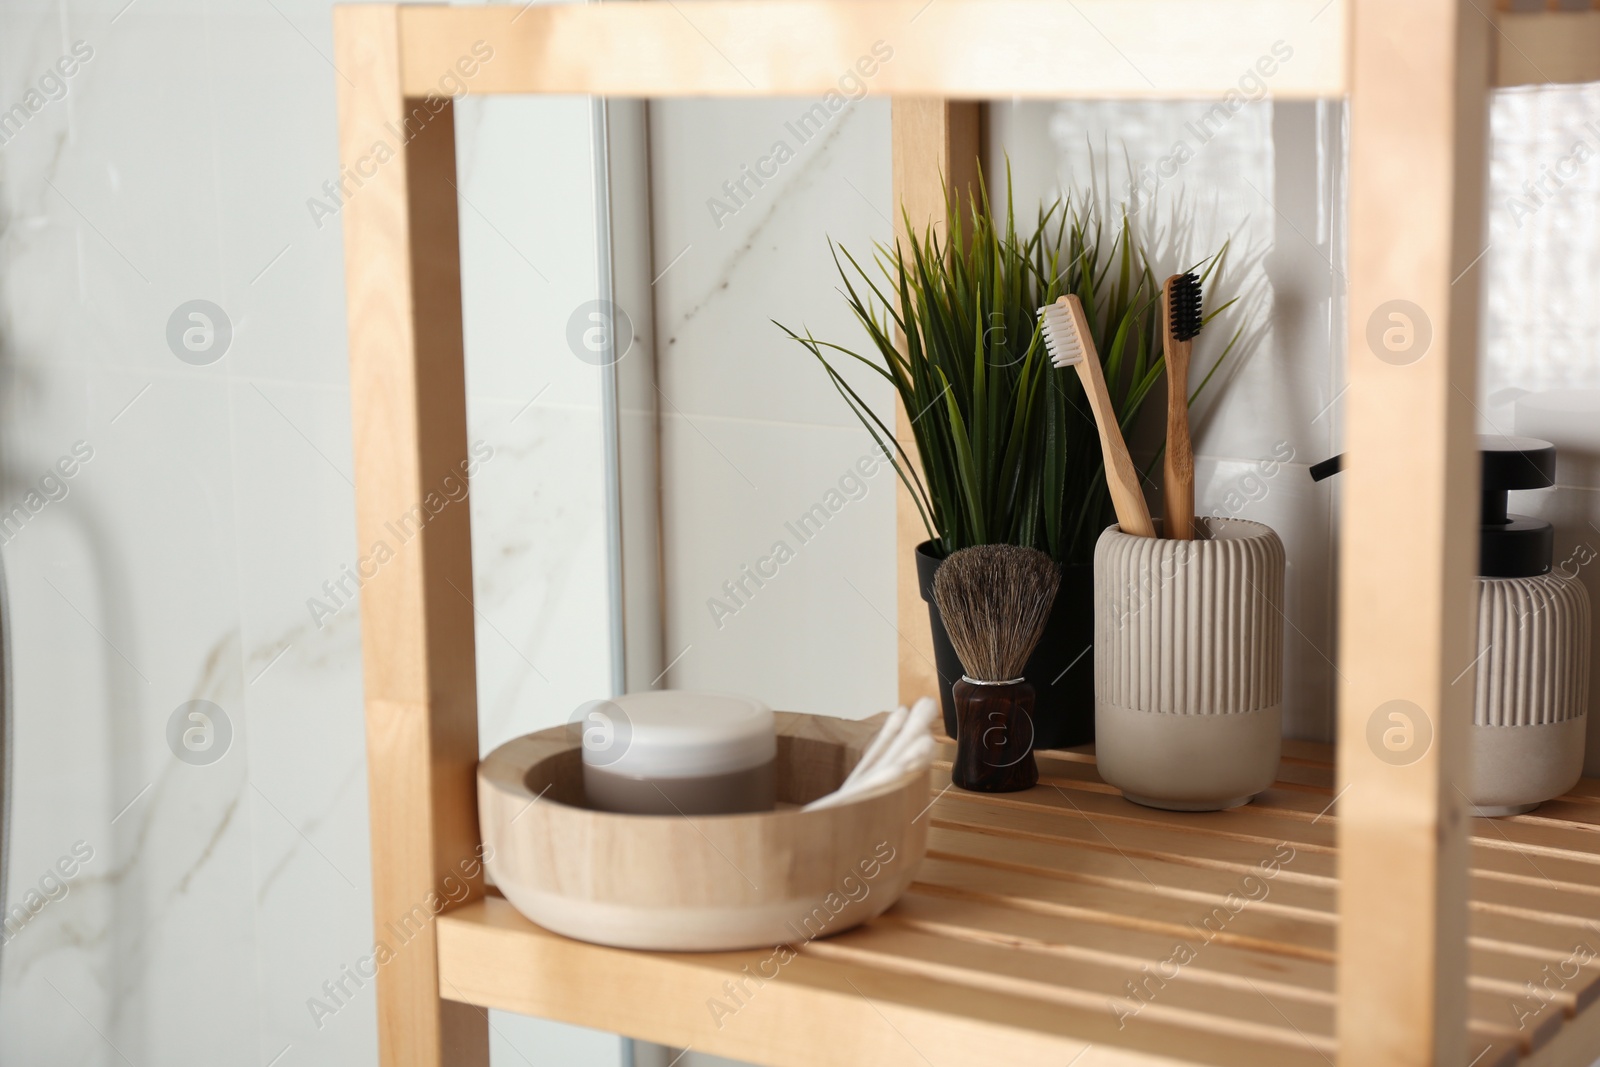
point(672, 733)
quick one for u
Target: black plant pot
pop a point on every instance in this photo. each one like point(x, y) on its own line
point(1061, 668)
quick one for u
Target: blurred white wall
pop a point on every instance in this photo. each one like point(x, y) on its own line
point(185, 158)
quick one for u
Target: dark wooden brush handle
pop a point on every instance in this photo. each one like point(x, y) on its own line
point(994, 737)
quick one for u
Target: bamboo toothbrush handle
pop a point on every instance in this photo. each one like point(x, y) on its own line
point(1121, 477)
point(1177, 482)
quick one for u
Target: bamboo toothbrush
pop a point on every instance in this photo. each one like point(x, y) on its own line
point(1180, 321)
point(1067, 338)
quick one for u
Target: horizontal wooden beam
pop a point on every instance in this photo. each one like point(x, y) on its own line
point(763, 1006)
point(965, 49)
point(1548, 47)
point(961, 49)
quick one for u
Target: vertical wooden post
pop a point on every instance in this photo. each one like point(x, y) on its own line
point(1419, 81)
point(408, 400)
point(935, 141)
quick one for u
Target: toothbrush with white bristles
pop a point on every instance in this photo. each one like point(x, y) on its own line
point(903, 745)
point(1067, 338)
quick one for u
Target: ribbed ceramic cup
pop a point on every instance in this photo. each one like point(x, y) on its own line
point(1528, 713)
point(1188, 659)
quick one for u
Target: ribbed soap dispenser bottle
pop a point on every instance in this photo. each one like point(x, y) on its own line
point(1532, 658)
point(1528, 711)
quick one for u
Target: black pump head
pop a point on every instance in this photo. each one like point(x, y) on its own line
point(1183, 305)
point(1514, 546)
point(1509, 546)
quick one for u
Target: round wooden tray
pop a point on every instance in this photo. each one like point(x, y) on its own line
point(700, 883)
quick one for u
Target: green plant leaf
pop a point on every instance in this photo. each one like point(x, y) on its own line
point(1007, 446)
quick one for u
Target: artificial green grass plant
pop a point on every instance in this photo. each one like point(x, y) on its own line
point(1008, 446)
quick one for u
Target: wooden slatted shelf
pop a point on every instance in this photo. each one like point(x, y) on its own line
point(1034, 912)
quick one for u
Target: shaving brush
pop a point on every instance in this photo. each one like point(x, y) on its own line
point(994, 601)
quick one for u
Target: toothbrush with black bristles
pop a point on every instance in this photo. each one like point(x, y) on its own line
point(1180, 321)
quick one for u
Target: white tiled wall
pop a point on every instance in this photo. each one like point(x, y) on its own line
point(1263, 181)
point(218, 500)
point(753, 435)
point(1268, 181)
point(1541, 366)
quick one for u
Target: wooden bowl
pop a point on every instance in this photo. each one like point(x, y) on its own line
point(700, 883)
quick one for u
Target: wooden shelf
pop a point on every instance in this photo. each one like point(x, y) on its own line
point(970, 48)
point(1547, 47)
point(1034, 911)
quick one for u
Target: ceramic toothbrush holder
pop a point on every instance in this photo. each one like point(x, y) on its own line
point(1188, 658)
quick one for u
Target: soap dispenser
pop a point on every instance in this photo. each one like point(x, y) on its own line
point(1528, 710)
point(1531, 668)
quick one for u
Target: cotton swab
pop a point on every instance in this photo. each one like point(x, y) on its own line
point(900, 726)
point(901, 746)
point(891, 730)
point(919, 755)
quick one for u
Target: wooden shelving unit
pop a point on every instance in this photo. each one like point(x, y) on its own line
point(1046, 922)
point(1033, 911)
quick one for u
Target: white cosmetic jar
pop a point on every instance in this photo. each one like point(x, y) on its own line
point(675, 752)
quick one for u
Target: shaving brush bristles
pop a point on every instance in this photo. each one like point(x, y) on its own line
point(994, 601)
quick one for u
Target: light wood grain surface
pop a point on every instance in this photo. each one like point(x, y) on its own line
point(1162, 49)
point(1410, 508)
point(408, 418)
point(1033, 913)
point(405, 355)
point(936, 148)
point(697, 883)
point(967, 49)
point(1547, 47)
